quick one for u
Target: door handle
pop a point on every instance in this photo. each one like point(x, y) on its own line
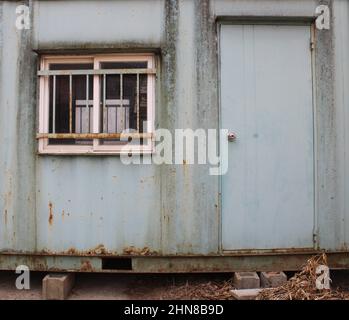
point(232, 136)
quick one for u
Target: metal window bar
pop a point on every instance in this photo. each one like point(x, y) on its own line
point(95, 72)
point(123, 125)
point(105, 109)
point(54, 105)
point(108, 102)
point(80, 121)
point(71, 103)
point(137, 102)
point(87, 108)
point(89, 136)
point(104, 72)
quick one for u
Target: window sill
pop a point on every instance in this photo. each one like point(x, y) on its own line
point(94, 153)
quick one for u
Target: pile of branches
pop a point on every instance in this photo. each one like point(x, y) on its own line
point(302, 286)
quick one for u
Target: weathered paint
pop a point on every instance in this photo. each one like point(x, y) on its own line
point(269, 187)
point(101, 212)
point(340, 221)
point(92, 135)
point(99, 205)
point(194, 264)
point(91, 24)
point(17, 123)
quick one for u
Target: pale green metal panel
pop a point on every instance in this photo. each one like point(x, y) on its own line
point(17, 134)
point(97, 204)
point(341, 26)
point(265, 8)
point(73, 23)
point(190, 195)
point(328, 220)
point(266, 99)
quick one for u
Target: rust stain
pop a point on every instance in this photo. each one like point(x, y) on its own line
point(344, 247)
point(86, 266)
point(147, 179)
point(50, 217)
point(100, 249)
point(138, 251)
point(90, 136)
point(146, 251)
point(72, 251)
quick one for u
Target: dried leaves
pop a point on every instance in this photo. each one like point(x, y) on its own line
point(303, 285)
point(202, 291)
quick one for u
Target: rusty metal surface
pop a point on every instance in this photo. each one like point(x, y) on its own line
point(95, 72)
point(81, 206)
point(94, 135)
point(214, 264)
point(101, 214)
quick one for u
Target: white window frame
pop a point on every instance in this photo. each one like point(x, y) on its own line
point(96, 147)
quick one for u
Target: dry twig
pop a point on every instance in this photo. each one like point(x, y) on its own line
point(203, 291)
point(302, 286)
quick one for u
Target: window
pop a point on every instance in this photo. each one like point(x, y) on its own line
point(96, 104)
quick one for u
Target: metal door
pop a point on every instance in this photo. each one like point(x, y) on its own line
point(267, 101)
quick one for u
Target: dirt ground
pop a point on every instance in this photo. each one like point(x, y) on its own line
point(140, 287)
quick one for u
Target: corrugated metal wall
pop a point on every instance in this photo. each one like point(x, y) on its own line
point(97, 203)
point(336, 229)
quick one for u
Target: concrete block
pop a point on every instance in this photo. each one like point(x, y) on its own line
point(273, 279)
point(57, 286)
point(246, 280)
point(246, 294)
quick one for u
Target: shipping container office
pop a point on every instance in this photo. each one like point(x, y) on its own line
point(261, 69)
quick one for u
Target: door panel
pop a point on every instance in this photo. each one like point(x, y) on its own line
point(266, 99)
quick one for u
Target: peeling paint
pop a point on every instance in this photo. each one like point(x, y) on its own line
point(138, 251)
point(86, 266)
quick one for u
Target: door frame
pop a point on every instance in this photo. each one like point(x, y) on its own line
point(313, 41)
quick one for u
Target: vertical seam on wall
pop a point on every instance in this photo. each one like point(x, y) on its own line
point(168, 75)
